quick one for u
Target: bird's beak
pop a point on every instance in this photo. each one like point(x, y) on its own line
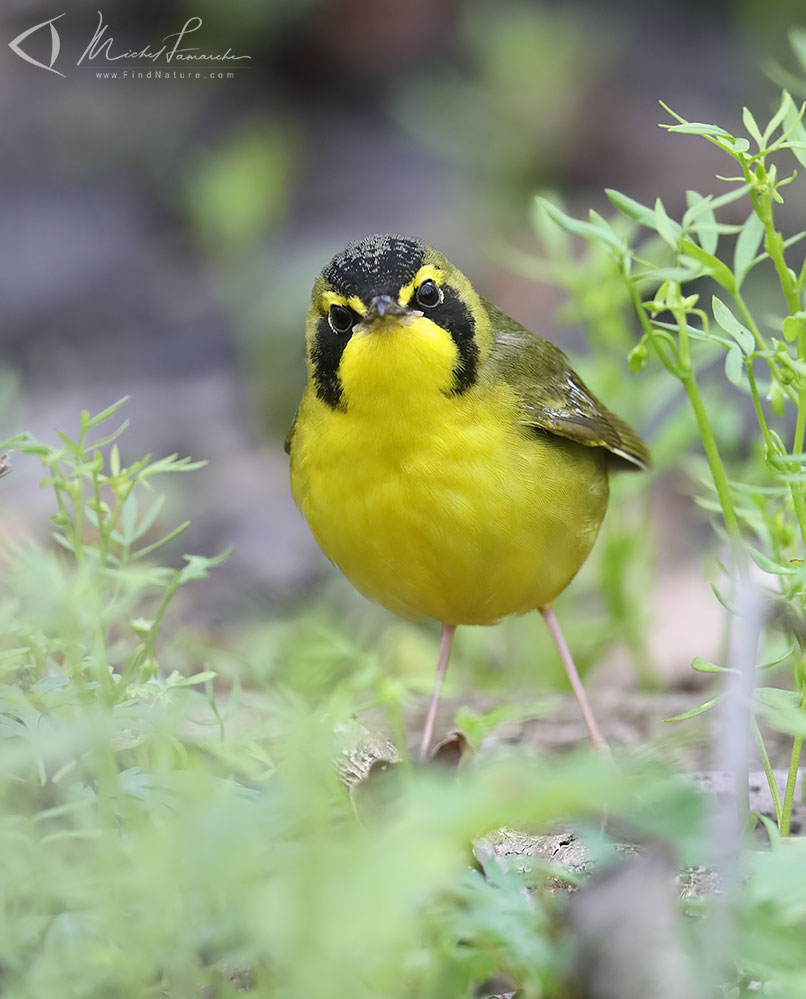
point(382, 306)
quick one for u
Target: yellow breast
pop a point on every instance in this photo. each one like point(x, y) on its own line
point(441, 505)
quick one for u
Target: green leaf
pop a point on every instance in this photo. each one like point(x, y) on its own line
point(747, 245)
point(796, 133)
point(752, 128)
point(171, 463)
point(660, 274)
point(706, 706)
point(699, 128)
point(778, 659)
point(782, 709)
point(148, 519)
point(771, 827)
point(606, 231)
point(793, 326)
point(775, 697)
point(177, 680)
point(734, 365)
point(550, 232)
point(632, 209)
point(765, 563)
point(26, 444)
point(142, 552)
point(698, 334)
point(700, 208)
point(71, 445)
point(668, 230)
point(729, 606)
point(568, 222)
point(93, 421)
point(697, 204)
point(797, 39)
point(61, 540)
point(197, 566)
point(713, 265)
point(128, 519)
point(579, 228)
point(703, 666)
point(731, 325)
point(783, 110)
point(730, 196)
point(109, 437)
point(674, 114)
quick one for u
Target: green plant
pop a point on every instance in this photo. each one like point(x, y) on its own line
point(111, 645)
point(161, 832)
point(755, 483)
point(608, 604)
point(166, 833)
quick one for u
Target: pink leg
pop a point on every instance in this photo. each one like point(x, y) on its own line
point(596, 737)
point(448, 631)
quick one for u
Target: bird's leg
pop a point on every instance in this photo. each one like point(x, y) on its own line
point(596, 737)
point(448, 631)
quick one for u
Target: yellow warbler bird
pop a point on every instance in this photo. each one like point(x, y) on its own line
point(447, 460)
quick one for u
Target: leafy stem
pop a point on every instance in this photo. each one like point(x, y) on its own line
point(652, 335)
point(717, 468)
point(774, 245)
point(764, 509)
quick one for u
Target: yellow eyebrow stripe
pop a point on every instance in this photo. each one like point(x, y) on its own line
point(354, 302)
point(423, 274)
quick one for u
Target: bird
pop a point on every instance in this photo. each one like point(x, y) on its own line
point(447, 460)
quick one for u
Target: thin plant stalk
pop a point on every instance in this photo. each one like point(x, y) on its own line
point(768, 771)
point(792, 778)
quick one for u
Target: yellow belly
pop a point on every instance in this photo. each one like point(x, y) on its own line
point(451, 510)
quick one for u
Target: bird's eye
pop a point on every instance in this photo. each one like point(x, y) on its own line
point(428, 294)
point(341, 319)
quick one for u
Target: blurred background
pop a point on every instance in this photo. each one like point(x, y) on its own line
point(160, 239)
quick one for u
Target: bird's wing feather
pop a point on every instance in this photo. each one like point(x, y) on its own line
point(289, 437)
point(554, 397)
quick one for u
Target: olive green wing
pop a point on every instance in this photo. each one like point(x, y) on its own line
point(555, 398)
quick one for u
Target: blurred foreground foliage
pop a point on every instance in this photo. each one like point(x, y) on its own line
point(166, 833)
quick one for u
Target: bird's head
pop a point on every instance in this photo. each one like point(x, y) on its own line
point(391, 318)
